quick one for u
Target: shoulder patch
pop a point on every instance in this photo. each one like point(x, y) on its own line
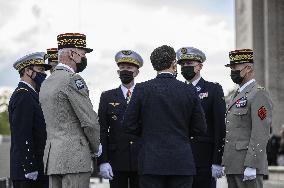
point(22, 89)
point(80, 84)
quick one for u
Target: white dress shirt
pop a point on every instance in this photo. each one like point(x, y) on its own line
point(246, 84)
point(125, 90)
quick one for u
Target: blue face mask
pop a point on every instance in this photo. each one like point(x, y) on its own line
point(38, 79)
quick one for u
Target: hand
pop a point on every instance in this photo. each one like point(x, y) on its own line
point(100, 150)
point(217, 171)
point(249, 174)
point(32, 175)
point(106, 171)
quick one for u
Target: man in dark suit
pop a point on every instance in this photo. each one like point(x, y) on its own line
point(207, 148)
point(118, 161)
point(28, 131)
point(165, 112)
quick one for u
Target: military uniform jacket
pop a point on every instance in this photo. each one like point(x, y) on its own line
point(208, 148)
point(248, 120)
point(28, 133)
point(165, 112)
point(119, 149)
point(64, 97)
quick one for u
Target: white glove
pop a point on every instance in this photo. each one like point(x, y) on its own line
point(32, 175)
point(106, 171)
point(217, 171)
point(100, 150)
point(249, 174)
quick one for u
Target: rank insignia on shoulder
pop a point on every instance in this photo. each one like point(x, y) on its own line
point(114, 104)
point(198, 88)
point(262, 113)
point(203, 95)
point(261, 88)
point(242, 102)
point(80, 84)
point(20, 89)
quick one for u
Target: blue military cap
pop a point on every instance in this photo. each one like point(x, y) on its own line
point(129, 56)
point(190, 53)
point(37, 58)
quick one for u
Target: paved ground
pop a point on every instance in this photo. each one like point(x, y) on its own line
point(220, 184)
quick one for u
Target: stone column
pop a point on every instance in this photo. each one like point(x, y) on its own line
point(274, 58)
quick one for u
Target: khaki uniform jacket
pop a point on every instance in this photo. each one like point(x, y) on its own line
point(67, 109)
point(248, 120)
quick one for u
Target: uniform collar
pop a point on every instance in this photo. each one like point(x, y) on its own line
point(246, 84)
point(194, 83)
point(29, 85)
point(125, 90)
point(65, 66)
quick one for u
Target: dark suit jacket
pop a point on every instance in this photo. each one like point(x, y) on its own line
point(28, 133)
point(165, 112)
point(119, 149)
point(208, 148)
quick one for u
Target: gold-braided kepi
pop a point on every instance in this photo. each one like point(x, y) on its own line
point(240, 56)
point(72, 40)
point(52, 55)
point(36, 58)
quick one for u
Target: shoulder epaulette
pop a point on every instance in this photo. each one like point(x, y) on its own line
point(260, 88)
point(22, 89)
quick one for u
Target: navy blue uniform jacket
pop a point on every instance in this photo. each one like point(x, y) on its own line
point(28, 133)
point(165, 112)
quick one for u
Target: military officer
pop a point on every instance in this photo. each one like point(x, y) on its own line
point(52, 56)
point(119, 158)
point(72, 125)
point(207, 148)
point(248, 120)
point(28, 130)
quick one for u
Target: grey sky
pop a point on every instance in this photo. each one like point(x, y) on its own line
point(31, 25)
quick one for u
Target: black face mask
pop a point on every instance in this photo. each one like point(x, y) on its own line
point(236, 76)
point(82, 65)
point(188, 72)
point(38, 79)
point(126, 76)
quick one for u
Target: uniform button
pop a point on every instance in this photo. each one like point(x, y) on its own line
point(219, 150)
point(257, 144)
point(260, 150)
point(227, 131)
point(27, 142)
point(131, 142)
point(254, 155)
point(227, 141)
point(247, 147)
point(28, 149)
point(252, 149)
point(222, 146)
point(229, 112)
point(191, 137)
point(228, 122)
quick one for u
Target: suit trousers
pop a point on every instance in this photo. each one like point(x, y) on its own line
point(78, 180)
point(165, 181)
point(30, 183)
point(236, 181)
point(203, 178)
point(122, 179)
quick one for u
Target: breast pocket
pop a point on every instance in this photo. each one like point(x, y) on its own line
point(241, 117)
point(114, 112)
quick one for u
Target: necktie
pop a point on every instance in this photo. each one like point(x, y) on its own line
point(128, 96)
